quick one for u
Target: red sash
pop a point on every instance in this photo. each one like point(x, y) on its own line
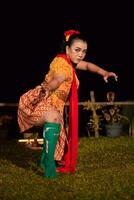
point(71, 154)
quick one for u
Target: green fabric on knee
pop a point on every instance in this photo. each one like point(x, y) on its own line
point(50, 134)
point(50, 125)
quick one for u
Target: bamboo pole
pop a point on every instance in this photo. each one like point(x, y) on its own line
point(80, 103)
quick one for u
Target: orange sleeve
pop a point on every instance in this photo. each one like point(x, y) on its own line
point(60, 65)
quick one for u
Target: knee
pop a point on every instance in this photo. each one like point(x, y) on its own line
point(53, 116)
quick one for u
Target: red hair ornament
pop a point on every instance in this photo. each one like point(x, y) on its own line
point(68, 33)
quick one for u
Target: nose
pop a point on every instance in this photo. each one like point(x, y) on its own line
point(80, 54)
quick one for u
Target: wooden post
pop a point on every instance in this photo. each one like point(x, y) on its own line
point(132, 126)
point(95, 117)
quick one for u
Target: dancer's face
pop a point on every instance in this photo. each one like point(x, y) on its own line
point(77, 51)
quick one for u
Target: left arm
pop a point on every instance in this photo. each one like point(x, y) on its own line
point(83, 65)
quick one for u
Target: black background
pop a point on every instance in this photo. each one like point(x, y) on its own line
point(31, 34)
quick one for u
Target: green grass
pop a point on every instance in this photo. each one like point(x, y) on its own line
point(105, 171)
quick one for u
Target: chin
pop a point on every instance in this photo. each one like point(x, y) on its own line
point(76, 62)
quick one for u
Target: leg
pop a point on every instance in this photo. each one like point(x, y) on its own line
point(51, 136)
point(51, 132)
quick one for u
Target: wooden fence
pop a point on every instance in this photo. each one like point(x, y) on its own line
point(88, 104)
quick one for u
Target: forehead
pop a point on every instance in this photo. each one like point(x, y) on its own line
point(79, 44)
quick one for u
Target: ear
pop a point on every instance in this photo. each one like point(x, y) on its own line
point(67, 49)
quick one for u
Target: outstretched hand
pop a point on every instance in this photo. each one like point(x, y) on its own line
point(110, 74)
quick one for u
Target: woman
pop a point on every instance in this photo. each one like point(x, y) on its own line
point(44, 105)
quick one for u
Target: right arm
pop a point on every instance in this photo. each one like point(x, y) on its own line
point(48, 88)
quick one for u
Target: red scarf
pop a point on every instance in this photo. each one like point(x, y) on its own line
point(71, 154)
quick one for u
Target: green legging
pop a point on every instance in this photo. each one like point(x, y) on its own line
point(50, 135)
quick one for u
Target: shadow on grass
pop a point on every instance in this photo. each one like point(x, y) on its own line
point(20, 155)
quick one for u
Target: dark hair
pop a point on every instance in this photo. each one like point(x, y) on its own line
point(70, 42)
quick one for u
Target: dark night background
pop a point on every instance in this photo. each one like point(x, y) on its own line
point(31, 34)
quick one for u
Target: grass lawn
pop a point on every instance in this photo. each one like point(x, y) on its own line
point(105, 171)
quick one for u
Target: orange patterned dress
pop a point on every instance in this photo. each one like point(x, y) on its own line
point(29, 113)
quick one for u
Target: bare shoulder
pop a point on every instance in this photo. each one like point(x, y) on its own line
point(82, 65)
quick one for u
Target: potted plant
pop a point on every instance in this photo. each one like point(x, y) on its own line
point(113, 120)
point(106, 117)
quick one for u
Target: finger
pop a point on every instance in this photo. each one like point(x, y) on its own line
point(105, 79)
point(116, 78)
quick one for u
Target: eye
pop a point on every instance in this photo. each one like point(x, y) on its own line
point(77, 50)
point(85, 51)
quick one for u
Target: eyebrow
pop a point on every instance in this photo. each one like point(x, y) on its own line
point(79, 48)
